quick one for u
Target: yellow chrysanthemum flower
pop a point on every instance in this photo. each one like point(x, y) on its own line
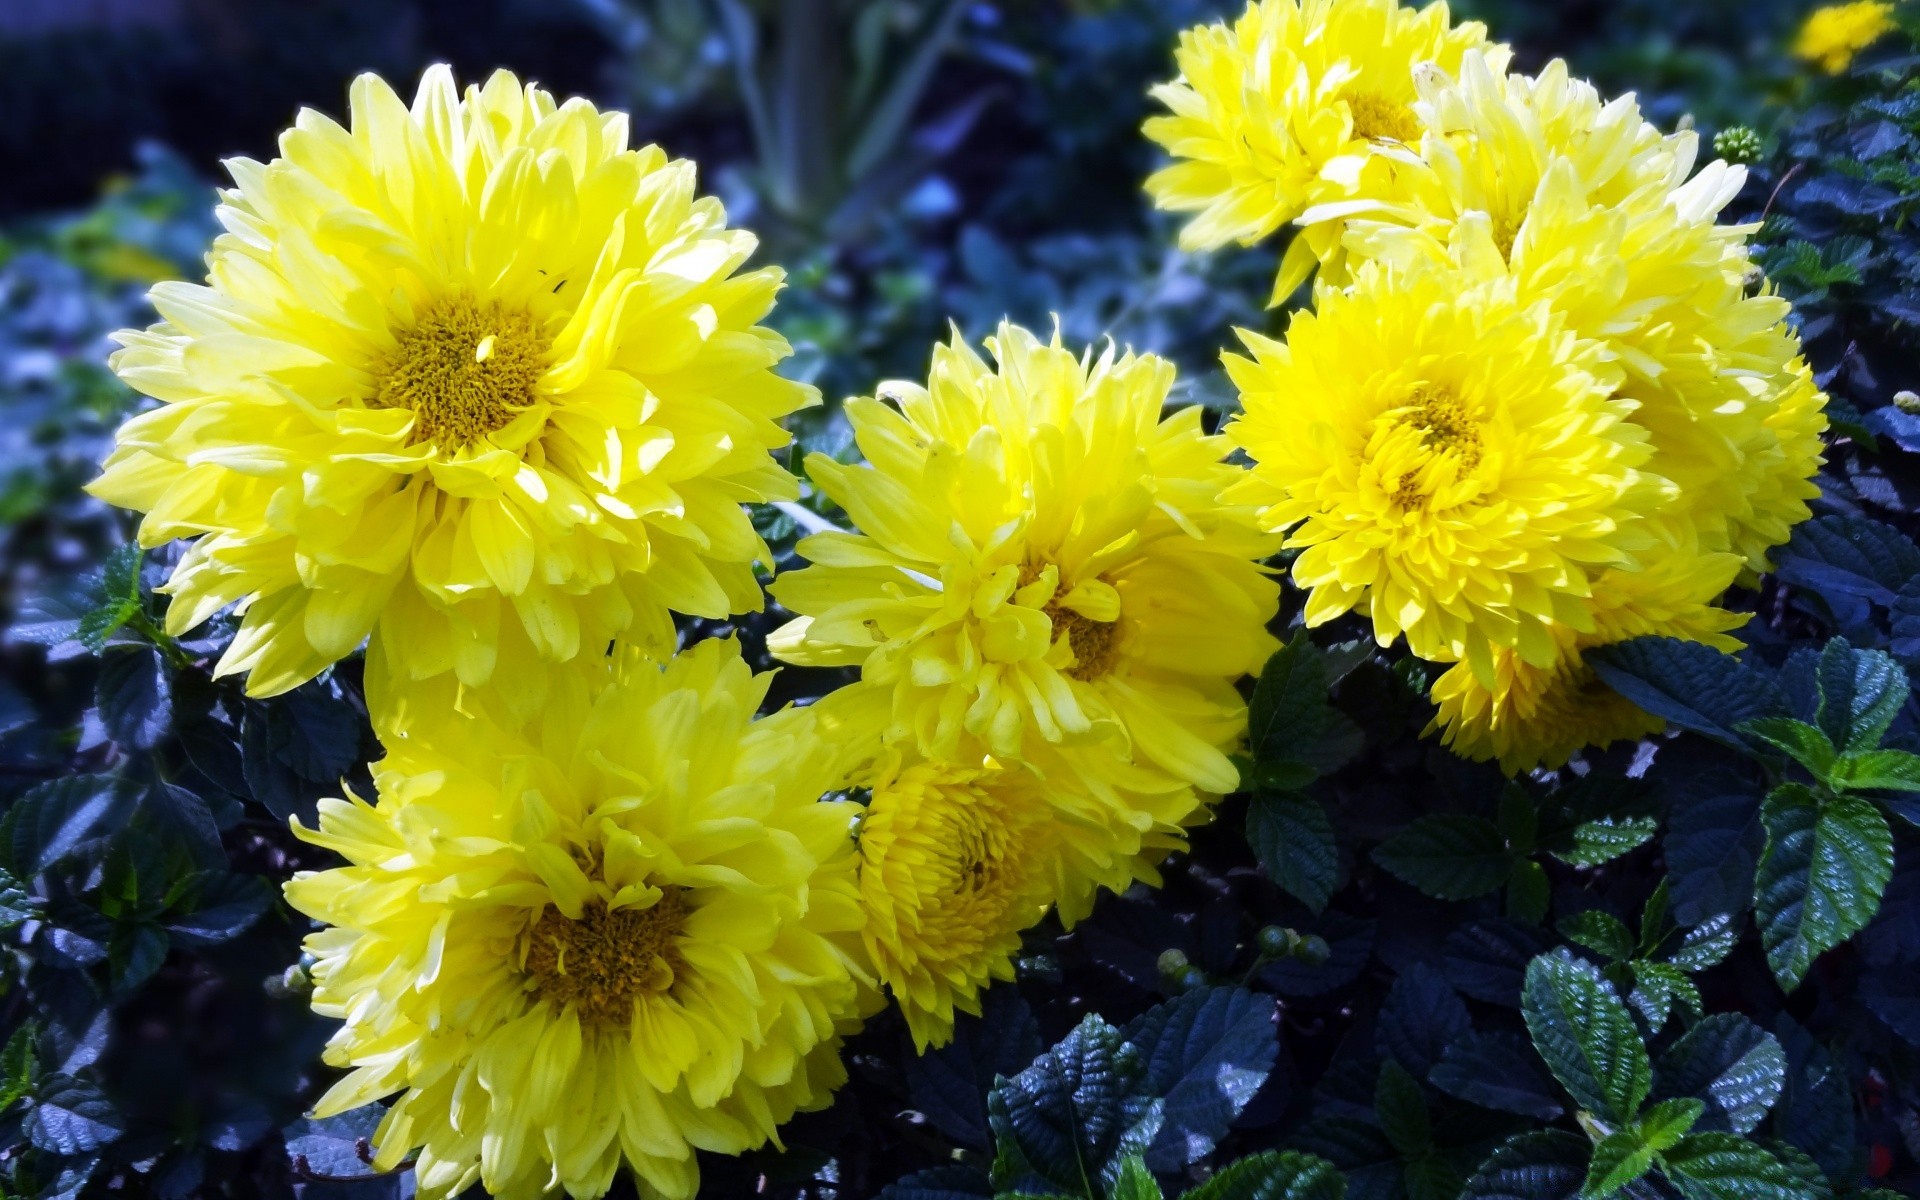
point(1299, 103)
point(471, 376)
point(621, 932)
point(955, 863)
point(1585, 205)
point(1447, 457)
point(1832, 36)
point(1045, 565)
point(1528, 716)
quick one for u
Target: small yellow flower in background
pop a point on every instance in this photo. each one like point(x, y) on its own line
point(1528, 716)
point(1833, 35)
point(1045, 565)
point(629, 931)
point(472, 377)
point(1449, 460)
point(1299, 103)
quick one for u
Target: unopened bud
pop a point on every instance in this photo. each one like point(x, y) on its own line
point(1171, 963)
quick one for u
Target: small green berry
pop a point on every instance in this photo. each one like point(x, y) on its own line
point(1738, 144)
point(1172, 962)
point(1275, 942)
point(1192, 979)
point(1313, 950)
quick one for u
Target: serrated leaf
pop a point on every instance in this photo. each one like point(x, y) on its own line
point(1861, 692)
point(1706, 944)
point(221, 908)
point(1657, 986)
point(1134, 1182)
point(1820, 878)
point(1293, 839)
point(341, 1147)
point(949, 1084)
point(1601, 932)
point(1204, 1055)
point(1422, 1016)
point(1712, 845)
point(50, 821)
point(942, 1183)
point(16, 905)
point(1877, 770)
point(1547, 1164)
point(1294, 733)
point(1075, 1114)
point(135, 694)
point(1586, 1036)
point(1621, 1157)
point(1448, 856)
point(1487, 959)
point(1274, 1175)
point(72, 1117)
point(1815, 1109)
point(1689, 685)
point(1529, 892)
point(1600, 841)
point(1497, 1071)
point(18, 1065)
point(1851, 556)
point(1402, 1111)
point(1665, 1123)
point(1797, 740)
point(1735, 1068)
point(1723, 1166)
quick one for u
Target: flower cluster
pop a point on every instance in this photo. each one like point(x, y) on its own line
point(1539, 405)
point(476, 385)
point(1834, 35)
point(1049, 601)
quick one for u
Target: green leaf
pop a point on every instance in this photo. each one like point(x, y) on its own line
point(1586, 1036)
point(1293, 839)
point(120, 599)
point(1797, 740)
point(18, 1065)
point(935, 1183)
point(1850, 556)
point(1656, 987)
point(1820, 877)
point(1601, 932)
point(1877, 770)
point(1075, 1114)
point(1402, 1110)
point(1706, 944)
point(135, 694)
point(1134, 1182)
point(1448, 856)
point(1294, 733)
point(1723, 1166)
point(1665, 1123)
point(1732, 1066)
point(1600, 841)
point(1547, 1164)
point(1500, 1071)
point(1619, 1159)
point(1274, 1175)
point(72, 1117)
point(1529, 892)
point(1204, 1055)
point(16, 905)
point(50, 821)
point(1861, 692)
point(1689, 685)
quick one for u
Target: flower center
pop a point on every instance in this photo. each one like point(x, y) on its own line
point(607, 959)
point(1445, 428)
point(464, 370)
point(1378, 119)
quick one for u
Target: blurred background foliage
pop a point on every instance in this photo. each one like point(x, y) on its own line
point(912, 163)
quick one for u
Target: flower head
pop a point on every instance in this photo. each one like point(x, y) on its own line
point(1295, 105)
point(1448, 458)
point(1044, 564)
point(1528, 716)
point(471, 376)
point(618, 933)
point(955, 863)
point(1833, 35)
point(1582, 204)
